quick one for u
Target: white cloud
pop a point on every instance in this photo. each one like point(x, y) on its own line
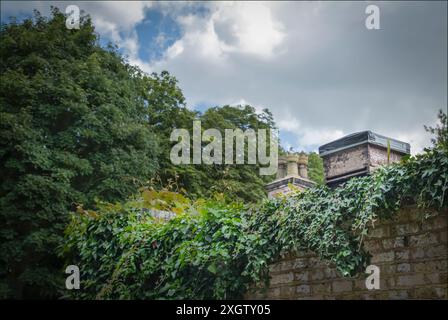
point(290, 124)
point(247, 27)
point(176, 49)
point(319, 136)
point(124, 14)
point(107, 15)
point(230, 27)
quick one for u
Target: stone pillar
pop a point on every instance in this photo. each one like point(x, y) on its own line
point(288, 173)
point(303, 166)
point(282, 164)
point(292, 167)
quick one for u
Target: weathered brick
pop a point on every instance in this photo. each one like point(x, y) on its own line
point(436, 278)
point(415, 215)
point(420, 267)
point(402, 255)
point(403, 216)
point(441, 292)
point(417, 253)
point(303, 289)
point(383, 257)
point(397, 242)
point(300, 263)
point(317, 275)
point(330, 273)
point(373, 245)
point(387, 244)
point(410, 280)
point(422, 239)
point(302, 276)
point(403, 267)
point(431, 266)
point(287, 291)
point(342, 286)
point(436, 251)
point(274, 293)
point(379, 232)
point(359, 284)
point(275, 267)
point(390, 283)
point(407, 228)
point(314, 261)
point(398, 295)
point(288, 265)
point(443, 236)
point(387, 268)
point(368, 296)
point(321, 288)
point(282, 278)
point(441, 264)
point(384, 283)
point(427, 293)
point(381, 295)
point(441, 221)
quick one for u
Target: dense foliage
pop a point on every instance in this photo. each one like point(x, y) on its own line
point(72, 128)
point(315, 168)
point(239, 182)
point(216, 250)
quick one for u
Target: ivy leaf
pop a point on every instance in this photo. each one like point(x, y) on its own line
point(212, 268)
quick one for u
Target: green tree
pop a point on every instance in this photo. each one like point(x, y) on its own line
point(239, 182)
point(315, 168)
point(440, 132)
point(73, 127)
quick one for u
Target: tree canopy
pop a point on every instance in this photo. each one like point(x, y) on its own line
point(72, 129)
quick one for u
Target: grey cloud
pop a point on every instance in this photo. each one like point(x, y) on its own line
point(332, 73)
point(329, 72)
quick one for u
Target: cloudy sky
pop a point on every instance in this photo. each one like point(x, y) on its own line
point(315, 65)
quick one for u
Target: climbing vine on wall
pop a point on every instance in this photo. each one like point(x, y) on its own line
point(216, 249)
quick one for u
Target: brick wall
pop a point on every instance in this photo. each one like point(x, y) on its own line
point(378, 157)
point(347, 160)
point(410, 252)
point(366, 156)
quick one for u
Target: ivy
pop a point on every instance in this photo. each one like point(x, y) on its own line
point(215, 249)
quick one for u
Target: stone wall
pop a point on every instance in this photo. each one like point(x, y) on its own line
point(378, 157)
point(357, 160)
point(345, 161)
point(411, 253)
